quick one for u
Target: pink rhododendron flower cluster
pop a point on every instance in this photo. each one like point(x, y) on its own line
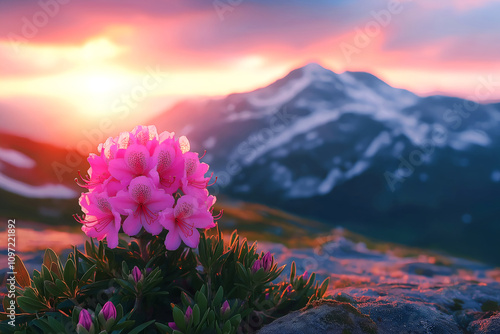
point(145, 180)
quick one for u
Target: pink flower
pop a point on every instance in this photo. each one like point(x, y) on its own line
point(130, 163)
point(183, 220)
point(142, 203)
point(135, 175)
point(145, 135)
point(170, 165)
point(109, 311)
point(305, 276)
point(195, 183)
point(84, 319)
point(101, 219)
point(98, 172)
point(108, 149)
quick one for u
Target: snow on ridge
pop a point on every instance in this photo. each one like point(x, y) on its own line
point(310, 73)
point(333, 177)
point(305, 124)
point(285, 93)
point(384, 138)
point(16, 158)
point(470, 137)
point(45, 191)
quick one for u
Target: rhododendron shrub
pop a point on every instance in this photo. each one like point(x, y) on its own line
point(176, 275)
point(145, 182)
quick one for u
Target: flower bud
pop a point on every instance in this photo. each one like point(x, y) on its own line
point(267, 261)
point(84, 319)
point(225, 308)
point(189, 313)
point(136, 274)
point(173, 326)
point(305, 276)
point(109, 311)
point(256, 266)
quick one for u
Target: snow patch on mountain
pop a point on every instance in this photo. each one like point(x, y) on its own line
point(333, 177)
point(311, 73)
point(16, 158)
point(45, 191)
point(470, 137)
point(380, 141)
point(303, 126)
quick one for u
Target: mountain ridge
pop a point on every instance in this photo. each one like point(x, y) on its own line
point(320, 144)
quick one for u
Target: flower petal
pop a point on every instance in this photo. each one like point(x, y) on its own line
point(160, 201)
point(112, 238)
point(153, 227)
point(132, 225)
point(185, 207)
point(167, 219)
point(173, 239)
point(191, 240)
point(122, 202)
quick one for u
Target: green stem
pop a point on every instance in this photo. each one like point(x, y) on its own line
point(143, 243)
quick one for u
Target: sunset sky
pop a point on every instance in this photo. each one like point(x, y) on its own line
point(73, 61)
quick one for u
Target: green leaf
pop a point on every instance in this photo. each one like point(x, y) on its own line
point(227, 327)
point(292, 272)
point(88, 273)
point(179, 319)
point(52, 262)
point(140, 328)
point(30, 305)
point(201, 300)
point(162, 327)
point(235, 320)
point(46, 275)
point(22, 276)
point(196, 315)
point(57, 326)
point(69, 272)
point(218, 297)
point(324, 287)
point(123, 325)
point(125, 269)
point(52, 289)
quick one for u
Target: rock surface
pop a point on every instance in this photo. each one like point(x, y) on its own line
point(399, 308)
point(489, 325)
point(323, 317)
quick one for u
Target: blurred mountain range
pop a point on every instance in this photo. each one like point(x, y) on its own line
point(351, 150)
point(346, 149)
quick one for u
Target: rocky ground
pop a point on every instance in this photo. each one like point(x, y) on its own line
point(375, 287)
point(391, 290)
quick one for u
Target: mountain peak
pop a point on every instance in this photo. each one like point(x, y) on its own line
point(314, 67)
